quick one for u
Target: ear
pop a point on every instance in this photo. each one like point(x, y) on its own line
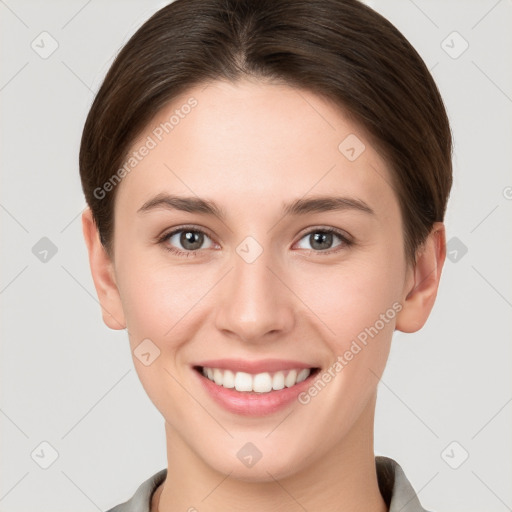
point(423, 281)
point(102, 270)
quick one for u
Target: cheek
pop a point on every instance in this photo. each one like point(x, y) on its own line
point(162, 309)
point(357, 305)
point(349, 299)
point(157, 298)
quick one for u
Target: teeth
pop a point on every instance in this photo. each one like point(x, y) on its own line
point(260, 383)
point(228, 380)
point(291, 379)
point(278, 381)
point(217, 376)
point(243, 382)
point(303, 375)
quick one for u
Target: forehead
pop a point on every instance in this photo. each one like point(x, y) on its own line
point(257, 142)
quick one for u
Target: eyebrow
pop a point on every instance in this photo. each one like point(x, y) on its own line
point(302, 206)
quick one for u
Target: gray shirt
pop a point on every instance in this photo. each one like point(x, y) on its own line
point(396, 490)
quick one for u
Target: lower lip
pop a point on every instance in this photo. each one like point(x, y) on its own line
point(251, 403)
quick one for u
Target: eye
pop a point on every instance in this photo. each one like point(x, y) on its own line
point(190, 239)
point(321, 240)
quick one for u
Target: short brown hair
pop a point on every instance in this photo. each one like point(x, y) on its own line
point(339, 49)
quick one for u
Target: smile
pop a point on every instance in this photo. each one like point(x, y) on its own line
point(259, 383)
point(254, 388)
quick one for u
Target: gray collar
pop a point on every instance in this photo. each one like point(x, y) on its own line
point(396, 490)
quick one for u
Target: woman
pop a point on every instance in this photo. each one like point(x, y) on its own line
point(267, 183)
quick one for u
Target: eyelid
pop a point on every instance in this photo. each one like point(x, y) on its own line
point(184, 227)
point(331, 229)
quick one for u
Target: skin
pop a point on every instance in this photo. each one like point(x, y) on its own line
point(243, 146)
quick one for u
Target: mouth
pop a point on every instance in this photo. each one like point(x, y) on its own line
point(254, 388)
point(260, 383)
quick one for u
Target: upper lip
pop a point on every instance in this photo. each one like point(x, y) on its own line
point(254, 367)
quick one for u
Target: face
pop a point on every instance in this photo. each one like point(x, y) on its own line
point(250, 272)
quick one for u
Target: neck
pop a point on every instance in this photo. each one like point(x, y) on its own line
point(342, 480)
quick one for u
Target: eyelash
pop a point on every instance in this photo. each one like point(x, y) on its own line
point(346, 242)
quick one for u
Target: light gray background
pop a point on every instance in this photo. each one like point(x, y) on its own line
point(69, 381)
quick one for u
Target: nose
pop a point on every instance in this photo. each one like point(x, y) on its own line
point(255, 305)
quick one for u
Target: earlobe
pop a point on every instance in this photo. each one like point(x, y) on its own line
point(102, 271)
point(421, 288)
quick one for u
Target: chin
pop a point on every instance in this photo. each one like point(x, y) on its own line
point(248, 464)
